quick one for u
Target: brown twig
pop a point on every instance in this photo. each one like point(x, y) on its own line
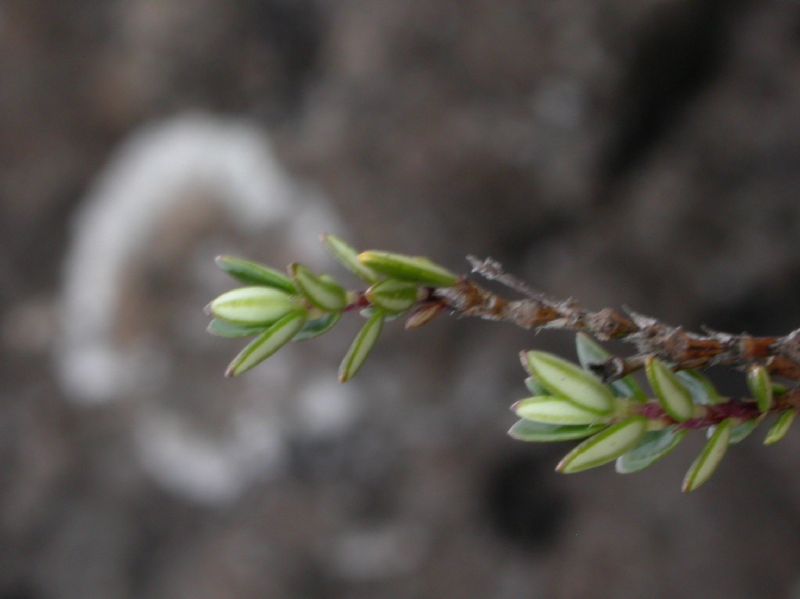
point(681, 348)
point(741, 410)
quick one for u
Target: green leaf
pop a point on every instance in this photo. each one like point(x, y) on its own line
point(740, 432)
point(778, 389)
point(606, 446)
point(253, 305)
point(778, 430)
point(348, 257)
point(368, 313)
point(537, 432)
point(568, 380)
point(324, 293)
point(700, 388)
point(652, 447)
point(535, 386)
point(318, 326)
point(393, 296)
point(672, 395)
point(760, 386)
point(555, 410)
point(360, 348)
point(413, 269)
point(266, 344)
point(230, 330)
point(253, 273)
point(709, 459)
point(590, 352)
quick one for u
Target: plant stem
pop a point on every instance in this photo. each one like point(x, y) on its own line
point(683, 349)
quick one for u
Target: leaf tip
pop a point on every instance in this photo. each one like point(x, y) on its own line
point(709, 459)
point(344, 376)
point(689, 485)
point(563, 463)
point(758, 381)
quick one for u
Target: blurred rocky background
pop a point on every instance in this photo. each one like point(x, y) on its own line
point(641, 153)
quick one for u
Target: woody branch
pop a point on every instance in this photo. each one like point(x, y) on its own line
point(683, 349)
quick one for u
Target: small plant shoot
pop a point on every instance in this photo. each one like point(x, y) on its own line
point(596, 401)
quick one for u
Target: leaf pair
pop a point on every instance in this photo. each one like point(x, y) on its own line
point(653, 446)
point(582, 407)
point(395, 289)
point(568, 402)
point(578, 405)
point(254, 306)
point(551, 409)
point(571, 403)
point(271, 291)
point(266, 344)
point(321, 291)
point(272, 309)
point(604, 447)
point(566, 380)
point(276, 309)
point(627, 442)
point(373, 266)
point(271, 314)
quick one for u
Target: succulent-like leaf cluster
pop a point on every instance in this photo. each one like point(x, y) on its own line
point(620, 424)
point(277, 308)
point(614, 417)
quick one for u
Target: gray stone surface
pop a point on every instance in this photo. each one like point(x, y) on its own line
point(622, 153)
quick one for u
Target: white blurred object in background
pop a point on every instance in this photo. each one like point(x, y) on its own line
point(151, 173)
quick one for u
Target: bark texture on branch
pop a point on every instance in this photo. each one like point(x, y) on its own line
point(681, 348)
